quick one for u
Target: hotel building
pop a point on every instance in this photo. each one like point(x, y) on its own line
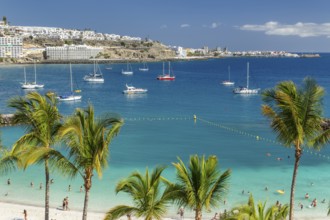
point(11, 47)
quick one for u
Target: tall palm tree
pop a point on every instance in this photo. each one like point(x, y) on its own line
point(201, 185)
point(41, 118)
point(149, 200)
point(260, 212)
point(296, 116)
point(88, 141)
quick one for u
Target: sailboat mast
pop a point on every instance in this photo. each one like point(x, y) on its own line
point(169, 68)
point(35, 72)
point(229, 73)
point(24, 76)
point(247, 76)
point(71, 79)
point(163, 68)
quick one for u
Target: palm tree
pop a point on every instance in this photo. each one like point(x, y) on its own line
point(260, 212)
point(88, 142)
point(296, 116)
point(201, 185)
point(149, 200)
point(40, 116)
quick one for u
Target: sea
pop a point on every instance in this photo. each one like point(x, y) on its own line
point(195, 114)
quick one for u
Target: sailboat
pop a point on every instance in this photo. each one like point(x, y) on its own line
point(32, 85)
point(145, 68)
point(228, 82)
point(246, 90)
point(95, 76)
point(71, 96)
point(27, 85)
point(128, 71)
point(166, 77)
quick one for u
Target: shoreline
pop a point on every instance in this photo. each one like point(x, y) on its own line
point(11, 211)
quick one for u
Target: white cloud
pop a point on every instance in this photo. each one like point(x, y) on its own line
point(213, 25)
point(185, 25)
point(163, 26)
point(299, 29)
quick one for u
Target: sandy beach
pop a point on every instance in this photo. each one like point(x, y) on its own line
point(11, 211)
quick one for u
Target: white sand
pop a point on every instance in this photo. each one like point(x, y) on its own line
point(9, 211)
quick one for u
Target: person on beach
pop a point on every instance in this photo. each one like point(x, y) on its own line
point(31, 184)
point(63, 204)
point(181, 212)
point(25, 214)
point(8, 182)
point(306, 196)
point(51, 181)
point(81, 189)
point(67, 203)
point(215, 217)
point(40, 186)
point(314, 203)
point(69, 188)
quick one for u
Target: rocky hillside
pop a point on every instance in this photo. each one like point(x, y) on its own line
point(112, 50)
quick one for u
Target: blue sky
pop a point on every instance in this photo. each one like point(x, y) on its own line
point(290, 25)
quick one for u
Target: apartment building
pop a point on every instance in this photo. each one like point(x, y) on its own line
point(72, 52)
point(11, 47)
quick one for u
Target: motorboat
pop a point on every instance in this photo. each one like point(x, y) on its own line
point(133, 90)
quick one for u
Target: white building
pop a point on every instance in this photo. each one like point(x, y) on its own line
point(181, 52)
point(11, 47)
point(81, 52)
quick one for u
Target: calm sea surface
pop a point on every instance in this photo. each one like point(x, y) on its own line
point(159, 127)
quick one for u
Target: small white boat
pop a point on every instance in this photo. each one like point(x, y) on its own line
point(71, 96)
point(96, 76)
point(133, 90)
point(246, 90)
point(145, 68)
point(166, 77)
point(228, 82)
point(31, 85)
point(128, 71)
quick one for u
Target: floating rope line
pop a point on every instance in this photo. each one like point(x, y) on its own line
point(256, 136)
point(195, 118)
point(158, 119)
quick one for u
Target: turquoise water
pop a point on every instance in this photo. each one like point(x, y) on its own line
point(159, 127)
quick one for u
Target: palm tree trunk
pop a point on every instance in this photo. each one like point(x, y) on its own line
point(47, 190)
point(198, 214)
point(293, 184)
point(86, 204)
point(87, 185)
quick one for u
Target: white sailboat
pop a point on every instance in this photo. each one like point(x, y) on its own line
point(31, 85)
point(246, 90)
point(95, 76)
point(36, 85)
point(145, 68)
point(128, 71)
point(27, 85)
point(71, 96)
point(228, 82)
